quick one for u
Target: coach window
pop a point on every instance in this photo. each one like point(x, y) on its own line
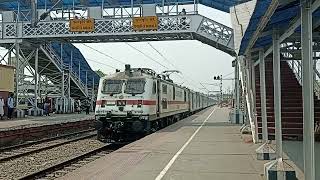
point(164, 89)
point(185, 96)
point(174, 93)
point(154, 88)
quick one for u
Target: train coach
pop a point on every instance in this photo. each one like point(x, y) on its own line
point(137, 101)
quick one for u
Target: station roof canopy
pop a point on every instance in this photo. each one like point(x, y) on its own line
point(77, 61)
point(222, 5)
point(285, 15)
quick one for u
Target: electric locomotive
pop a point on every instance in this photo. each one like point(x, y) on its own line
point(138, 101)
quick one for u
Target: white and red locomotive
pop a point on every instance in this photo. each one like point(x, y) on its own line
point(138, 101)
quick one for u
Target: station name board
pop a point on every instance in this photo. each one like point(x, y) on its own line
point(145, 23)
point(81, 25)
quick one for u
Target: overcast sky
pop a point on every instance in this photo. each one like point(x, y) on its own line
point(198, 62)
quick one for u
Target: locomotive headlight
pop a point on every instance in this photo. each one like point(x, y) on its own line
point(121, 102)
point(139, 103)
point(109, 114)
point(129, 113)
point(103, 103)
point(143, 118)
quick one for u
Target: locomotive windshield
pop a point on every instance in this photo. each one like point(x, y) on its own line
point(112, 86)
point(135, 86)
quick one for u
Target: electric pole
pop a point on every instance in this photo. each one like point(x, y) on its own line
point(219, 78)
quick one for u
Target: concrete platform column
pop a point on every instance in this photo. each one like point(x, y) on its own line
point(265, 151)
point(307, 90)
point(278, 169)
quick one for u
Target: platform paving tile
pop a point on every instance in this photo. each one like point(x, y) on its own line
point(216, 152)
point(183, 175)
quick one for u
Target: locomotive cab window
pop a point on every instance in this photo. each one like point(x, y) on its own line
point(112, 86)
point(135, 86)
point(164, 89)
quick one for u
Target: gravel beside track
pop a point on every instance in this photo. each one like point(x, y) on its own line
point(19, 152)
point(34, 162)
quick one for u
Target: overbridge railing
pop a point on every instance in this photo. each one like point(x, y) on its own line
point(296, 67)
point(170, 27)
point(57, 60)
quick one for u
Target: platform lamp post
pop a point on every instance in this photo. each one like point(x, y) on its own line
point(219, 78)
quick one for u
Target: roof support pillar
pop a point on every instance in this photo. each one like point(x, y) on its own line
point(307, 90)
point(263, 97)
point(62, 84)
point(69, 88)
point(237, 90)
point(265, 151)
point(132, 8)
point(86, 82)
point(17, 47)
point(34, 17)
point(36, 78)
point(9, 57)
point(79, 71)
point(253, 86)
point(61, 55)
point(277, 93)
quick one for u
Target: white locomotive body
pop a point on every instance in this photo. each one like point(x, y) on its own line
point(138, 101)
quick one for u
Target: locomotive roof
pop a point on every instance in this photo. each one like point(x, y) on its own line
point(144, 73)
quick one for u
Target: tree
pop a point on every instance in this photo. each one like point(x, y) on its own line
point(100, 73)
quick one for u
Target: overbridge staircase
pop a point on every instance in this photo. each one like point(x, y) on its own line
point(50, 65)
point(291, 103)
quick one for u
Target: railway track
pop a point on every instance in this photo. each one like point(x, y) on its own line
point(18, 135)
point(12, 152)
point(9, 148)
point(29, 158)
point(64, 167)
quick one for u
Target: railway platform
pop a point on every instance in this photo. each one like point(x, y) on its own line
point(33, 121)
point(202, 146)
point(21, 130)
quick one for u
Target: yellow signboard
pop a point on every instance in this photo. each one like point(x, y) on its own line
point(145, 23)
point(81, 25)
point(6, 78)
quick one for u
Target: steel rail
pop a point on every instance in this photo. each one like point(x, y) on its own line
point(68, 162)
point(8, 148)
point(14, 156)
